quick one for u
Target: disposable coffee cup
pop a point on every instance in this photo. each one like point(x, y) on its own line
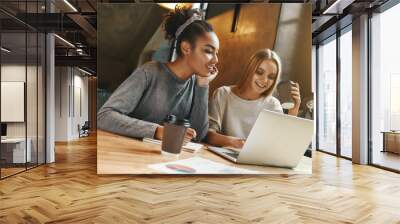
point(174, 135)
point(284, 94)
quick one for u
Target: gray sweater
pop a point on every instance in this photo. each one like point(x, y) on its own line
point(147, 96)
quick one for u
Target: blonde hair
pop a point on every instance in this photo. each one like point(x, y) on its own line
point(255, 61)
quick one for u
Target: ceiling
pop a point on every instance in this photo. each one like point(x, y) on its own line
point(332, 15)
point(76, 22)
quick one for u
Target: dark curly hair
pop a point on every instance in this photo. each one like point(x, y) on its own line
point(173, 20)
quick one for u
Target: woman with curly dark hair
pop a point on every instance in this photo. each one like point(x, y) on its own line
point(156, 89)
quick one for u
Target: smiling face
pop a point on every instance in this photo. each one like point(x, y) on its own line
point(202, 58)
point(264, 77)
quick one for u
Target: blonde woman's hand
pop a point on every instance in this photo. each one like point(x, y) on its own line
point(295, 92)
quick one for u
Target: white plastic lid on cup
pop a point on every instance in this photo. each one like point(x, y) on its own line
point(287, 105)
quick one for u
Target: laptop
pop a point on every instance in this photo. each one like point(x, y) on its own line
point(276, 139)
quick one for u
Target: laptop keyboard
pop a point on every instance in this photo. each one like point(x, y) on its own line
point(232, 154)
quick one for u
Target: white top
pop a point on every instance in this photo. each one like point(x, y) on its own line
point(231, 115)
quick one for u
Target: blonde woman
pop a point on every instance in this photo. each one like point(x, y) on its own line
point(233, 110)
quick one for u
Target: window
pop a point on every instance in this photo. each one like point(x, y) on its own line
point(346, 93)
point(327, 96)
point(22, 72)
point(385, 85)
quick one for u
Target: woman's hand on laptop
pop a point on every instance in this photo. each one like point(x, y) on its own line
point(236, 142)
point(190, 134)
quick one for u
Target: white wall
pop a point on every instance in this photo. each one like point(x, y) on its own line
point(82, 83)
point(13, 73)
point(33, 126)
point(61, 103)
point(71, 94)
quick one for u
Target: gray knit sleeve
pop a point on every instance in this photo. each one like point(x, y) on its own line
point(113, 115)
point(199, 114)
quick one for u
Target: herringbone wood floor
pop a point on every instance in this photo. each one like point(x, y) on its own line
point(69, 191)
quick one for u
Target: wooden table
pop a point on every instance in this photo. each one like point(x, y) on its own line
point(123, 155)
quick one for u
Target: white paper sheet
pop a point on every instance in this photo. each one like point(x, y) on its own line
point(198, 165)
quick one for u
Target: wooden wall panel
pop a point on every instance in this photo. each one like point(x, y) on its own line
point(293, 44)
point(123, 31)
point(256, 29)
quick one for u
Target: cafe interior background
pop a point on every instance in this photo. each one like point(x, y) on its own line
point(132, 34)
